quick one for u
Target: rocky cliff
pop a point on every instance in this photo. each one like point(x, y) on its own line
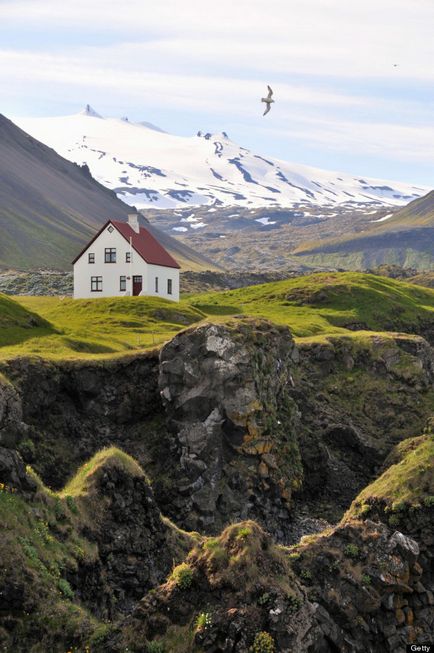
point(231, 422)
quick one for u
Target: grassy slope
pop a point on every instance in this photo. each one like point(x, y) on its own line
point(327, 303)
point(312, 306)
point(83, 328)
point(408, 482)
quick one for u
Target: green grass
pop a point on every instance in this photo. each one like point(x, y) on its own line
point(326, 303)
point(312, 306)
point(409, 482)
point(83, 479)
point(90, 328)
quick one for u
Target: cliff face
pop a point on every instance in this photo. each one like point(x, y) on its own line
point(231, 422)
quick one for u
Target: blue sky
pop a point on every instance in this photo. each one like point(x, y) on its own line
point(340, 102)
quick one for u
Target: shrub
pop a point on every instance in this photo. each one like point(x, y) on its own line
point(263, 643)
point(203, 621)
point(352, 551)
point(65, 588)
point(394, 520)
point(58, 510)
point(155, 647)
point(244, 533)
point(294, 603)
point(183, 576)
point(366, 579)
point(70, 502)
point(264, 598)
point(428, 502)
point(306, 574)
point(399, 506)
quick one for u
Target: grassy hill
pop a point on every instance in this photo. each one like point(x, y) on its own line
point(312, 306)
point(405, 239)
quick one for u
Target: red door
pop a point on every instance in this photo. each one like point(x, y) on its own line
point(137, 285)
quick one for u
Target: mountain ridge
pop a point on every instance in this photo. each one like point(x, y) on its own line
point(151, 168)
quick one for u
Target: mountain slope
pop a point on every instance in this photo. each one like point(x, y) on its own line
point(147, 167)
point(50, 207)
point(406, 238)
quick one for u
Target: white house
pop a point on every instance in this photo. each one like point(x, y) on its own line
point(125, 259)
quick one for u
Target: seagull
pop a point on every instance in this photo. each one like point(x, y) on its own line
point(268, 100)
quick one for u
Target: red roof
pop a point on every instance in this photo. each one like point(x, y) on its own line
point(146, 245)
point(143, 242)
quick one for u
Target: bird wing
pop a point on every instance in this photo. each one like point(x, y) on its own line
point(267, 109)
point(270, 92)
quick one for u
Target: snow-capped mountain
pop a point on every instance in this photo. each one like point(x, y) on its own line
point(148, 167)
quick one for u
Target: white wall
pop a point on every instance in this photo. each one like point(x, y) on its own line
point(111, 272)
point(163, 275)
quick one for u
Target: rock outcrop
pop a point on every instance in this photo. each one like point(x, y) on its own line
point(226, 391)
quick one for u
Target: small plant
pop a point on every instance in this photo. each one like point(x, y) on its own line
point(244, 533)
point(399, 506)
point(58, 509)
point(183, 576)
point(394, 520)
point(365, 509)
point(203, 621)
point(294, 603)
point(70, 502)
point(263, 643)
point(306, 574)
point(352, 551)
point(428, 502)
point(65, 588)
point(366, 579)
point(155, 647)
point(264, 598)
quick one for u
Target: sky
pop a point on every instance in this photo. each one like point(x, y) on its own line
point(341, 103)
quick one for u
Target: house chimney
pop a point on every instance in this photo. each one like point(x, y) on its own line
point(133, 221)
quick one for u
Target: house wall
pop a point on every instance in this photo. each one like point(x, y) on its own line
point(111, 272)
point(163, 275)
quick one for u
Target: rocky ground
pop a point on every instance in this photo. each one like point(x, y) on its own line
point(246, 442)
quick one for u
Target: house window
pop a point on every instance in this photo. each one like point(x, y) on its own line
point(122, 283)
point(110, 255)
point(128, 257)
point(110, 229)
point(156, 284)
point(169, 286)
point(96, 284)
point(91, 258)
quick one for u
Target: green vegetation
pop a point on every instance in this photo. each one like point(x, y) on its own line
point(352, 551)
point(53, 327)
point(83, 480)
point(407, 483)
point(327, 303)
point(203, 621)
point(312, 306)
point(263, 643)
point(182, 576)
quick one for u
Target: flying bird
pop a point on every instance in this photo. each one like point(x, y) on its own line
point(268, 101)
